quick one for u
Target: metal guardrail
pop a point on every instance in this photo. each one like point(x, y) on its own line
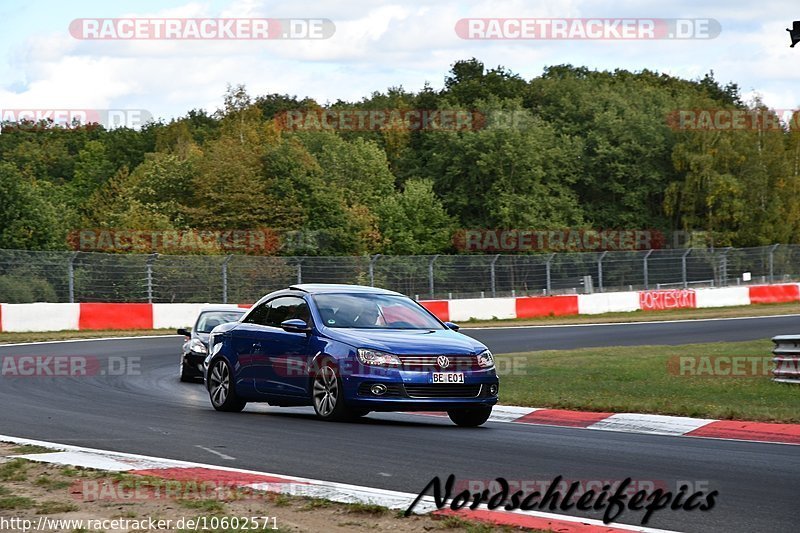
point(786, 356)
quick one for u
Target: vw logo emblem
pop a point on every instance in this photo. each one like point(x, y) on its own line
point(443, 361)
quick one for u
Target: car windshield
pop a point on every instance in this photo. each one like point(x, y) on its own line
point(373, 311)
point(211, 319)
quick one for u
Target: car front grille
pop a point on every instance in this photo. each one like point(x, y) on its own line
point(430, 362)
point(443, 390)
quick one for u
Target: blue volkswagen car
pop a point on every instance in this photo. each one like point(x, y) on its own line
point(348, 350)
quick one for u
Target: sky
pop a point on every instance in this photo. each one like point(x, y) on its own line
point(377, 44)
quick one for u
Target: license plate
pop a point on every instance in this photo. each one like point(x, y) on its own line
point(448, 377)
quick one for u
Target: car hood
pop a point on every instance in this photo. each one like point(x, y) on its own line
point(400, 341)
point(202, 336)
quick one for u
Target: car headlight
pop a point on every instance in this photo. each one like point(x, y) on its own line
point(197, 346)
point(485, 359)
point(374, 357)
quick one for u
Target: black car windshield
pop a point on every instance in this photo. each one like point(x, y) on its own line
point(373, 311)
point(211, 319)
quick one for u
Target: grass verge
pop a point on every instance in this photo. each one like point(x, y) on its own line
point(72, 493)
point(650, 379)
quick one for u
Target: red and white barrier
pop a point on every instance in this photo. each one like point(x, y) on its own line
point(39, 317)
point(608, 302)
point(771, 294)
point(725, 297)
point(171, 316)
point(123, 316)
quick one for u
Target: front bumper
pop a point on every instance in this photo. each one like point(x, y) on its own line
point(193, 362)
point(415, 391)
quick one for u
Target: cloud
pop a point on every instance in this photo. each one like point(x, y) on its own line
point(378, 44)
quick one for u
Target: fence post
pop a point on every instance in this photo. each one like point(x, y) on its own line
point(724, 266)
point(683, 267)
point(299, 270)
point(225, 278)
point(493, 276)
point(772, 262)
point(548, 281)
point(600, 270)
point(150, 260)
point(71, 277)
point(372, 261)
point(646, 275)
point(430, 274)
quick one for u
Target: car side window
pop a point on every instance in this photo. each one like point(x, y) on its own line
point(258, 315)
point(285, 308)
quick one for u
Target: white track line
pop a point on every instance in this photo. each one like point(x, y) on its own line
point(339, 492)
point(3, 345)
point(215, 452)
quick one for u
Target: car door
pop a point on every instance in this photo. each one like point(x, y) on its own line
point(248, 339)
point(287, 353)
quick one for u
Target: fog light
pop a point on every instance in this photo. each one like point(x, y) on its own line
point(493, 389)
point(378, 389)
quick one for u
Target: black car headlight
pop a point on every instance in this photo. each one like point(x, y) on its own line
point(485, 359)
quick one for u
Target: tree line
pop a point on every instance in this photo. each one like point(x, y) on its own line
point(571, 148)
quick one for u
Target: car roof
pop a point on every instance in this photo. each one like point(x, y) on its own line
point(340, 288)
point(219, 308)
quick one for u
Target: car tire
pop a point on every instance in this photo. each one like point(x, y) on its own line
point(471, 417)
point(327, 395)
point(220, 388)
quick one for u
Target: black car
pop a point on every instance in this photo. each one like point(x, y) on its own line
point(195, 348)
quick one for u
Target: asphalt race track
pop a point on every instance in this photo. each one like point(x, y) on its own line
point(149, 412)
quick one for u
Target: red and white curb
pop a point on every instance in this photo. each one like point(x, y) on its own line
point(77, 456)
point(649, 424)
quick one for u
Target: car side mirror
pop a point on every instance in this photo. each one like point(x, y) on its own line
point(186, 332)
point(295, 325)
point(452, 326)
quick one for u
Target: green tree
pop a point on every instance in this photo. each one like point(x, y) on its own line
point(27, 219)
point(414, 221)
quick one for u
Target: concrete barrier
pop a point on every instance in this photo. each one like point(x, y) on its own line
point(482, 308)
point(772, 294)
point(608, 302)
point(62, 316)
point(724, 297)
point(40, 317)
